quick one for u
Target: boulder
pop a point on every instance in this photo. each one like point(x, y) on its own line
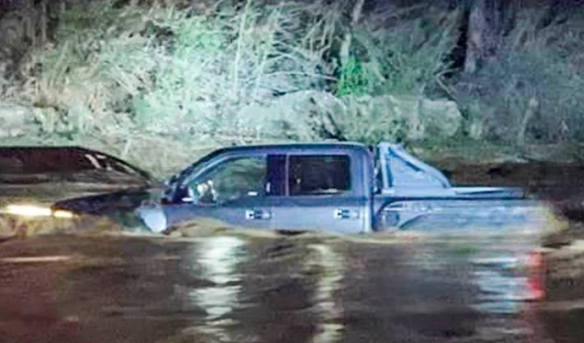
point(14, 120)
point(440, 118)
point(298, 114)
point(306, 114)
point(412, 117)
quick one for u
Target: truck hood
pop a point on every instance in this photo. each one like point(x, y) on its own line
point(32, 179)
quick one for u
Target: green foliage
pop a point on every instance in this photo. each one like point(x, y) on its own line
point(354, 79)
point(406, 56)
point(393, 64)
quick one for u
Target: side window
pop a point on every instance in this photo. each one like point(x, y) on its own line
point(319, 174)
point(232, 179)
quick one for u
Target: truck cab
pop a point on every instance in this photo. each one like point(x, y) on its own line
point(286, 187)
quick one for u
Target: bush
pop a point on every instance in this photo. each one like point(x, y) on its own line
point(403, 52)
point(133, 74)
point(166, 71)
point(531, 91)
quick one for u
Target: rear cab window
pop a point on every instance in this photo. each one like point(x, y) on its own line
point(319, 175)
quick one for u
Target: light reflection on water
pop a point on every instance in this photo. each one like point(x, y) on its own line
point(317, 290)
point(507, 281)
point(217, 259)
point(327, 308)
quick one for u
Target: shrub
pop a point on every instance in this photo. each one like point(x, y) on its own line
point(400, 53)
point(167, 71)
point(130, 73)
point(532, 89)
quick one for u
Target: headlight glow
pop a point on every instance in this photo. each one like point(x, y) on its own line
point(63, 214)
point(35, 211)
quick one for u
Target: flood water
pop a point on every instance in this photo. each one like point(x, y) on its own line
point(235, 288)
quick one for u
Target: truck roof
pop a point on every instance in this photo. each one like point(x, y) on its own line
point(296, 146)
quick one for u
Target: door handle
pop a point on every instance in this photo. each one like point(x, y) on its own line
point(341, 213)
point(257, 214)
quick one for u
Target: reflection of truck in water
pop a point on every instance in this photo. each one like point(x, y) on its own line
point(337, 187)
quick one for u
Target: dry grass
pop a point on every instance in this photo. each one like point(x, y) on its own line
point(162, 71)
point(404, 54)
point(150, 74)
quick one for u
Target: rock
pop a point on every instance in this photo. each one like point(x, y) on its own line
point(306, 114)
point(295, 114)
point(405, 110)
point(14, 119)
point(414, 117)
point(440, 118)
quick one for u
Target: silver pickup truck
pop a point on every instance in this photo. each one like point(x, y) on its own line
point(346, 188)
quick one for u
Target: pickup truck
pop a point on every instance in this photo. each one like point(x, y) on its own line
point(345, 188)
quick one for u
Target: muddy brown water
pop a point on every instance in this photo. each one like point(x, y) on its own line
point(246, 288)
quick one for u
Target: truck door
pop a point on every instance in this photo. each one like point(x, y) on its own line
point(323, 192)
point(235, 189)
